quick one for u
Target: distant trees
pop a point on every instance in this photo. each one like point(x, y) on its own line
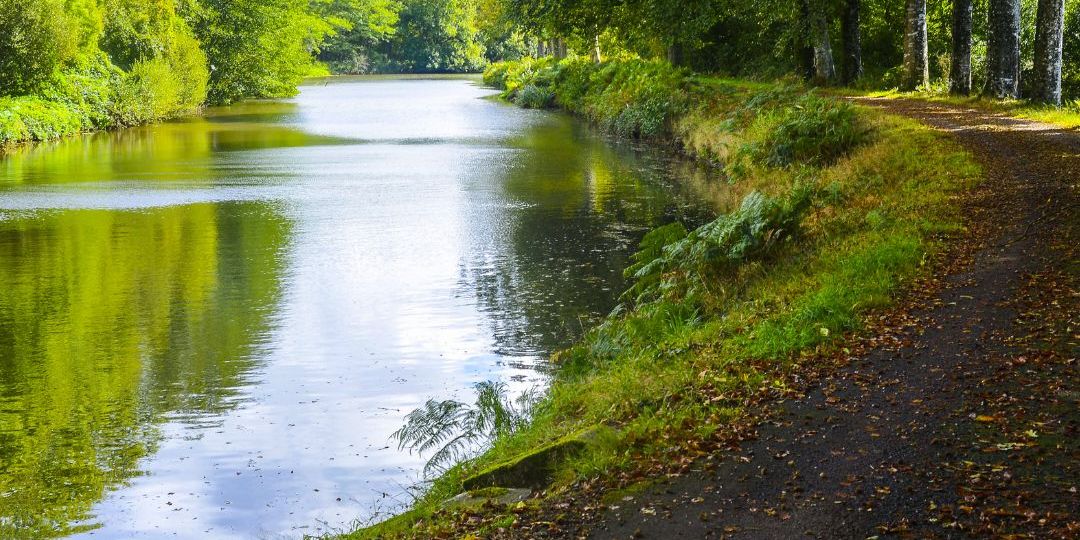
point(436, 36)
point(36, 38)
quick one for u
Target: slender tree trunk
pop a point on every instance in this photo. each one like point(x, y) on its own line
point(805, 45)
point(596, 49)
point(1048, 49)
point(1003, 49)
point(916, 61)
point(824, 66)
point(960, 70)
point(849, 27)
point(675, 54)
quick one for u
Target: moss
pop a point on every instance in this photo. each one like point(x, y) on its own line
point(489, 492)
point(534, 468)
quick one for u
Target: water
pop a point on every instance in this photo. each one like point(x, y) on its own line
point(209, 328)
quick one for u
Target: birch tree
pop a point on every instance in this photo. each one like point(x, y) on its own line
point(960, 69)
point(916, 54)
point(1003, 49)
point(1048, 50)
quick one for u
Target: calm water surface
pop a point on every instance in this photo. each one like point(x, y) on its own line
point(209, 328)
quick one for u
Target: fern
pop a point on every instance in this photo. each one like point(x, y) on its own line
point(456, 431)
point(672, 262)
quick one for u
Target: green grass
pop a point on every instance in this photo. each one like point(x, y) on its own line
point(672, 369)
point(1067, 116)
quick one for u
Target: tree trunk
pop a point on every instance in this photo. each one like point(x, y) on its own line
point(849, 27)
point(675, 54)
point(960, 71)
point(596, 49)
point(804, 44)
point(824, 67)
point(1003, 49)
point(916, 57)
point(1048, 48)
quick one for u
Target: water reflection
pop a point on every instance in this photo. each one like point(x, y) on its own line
point(210, 327)
point(111, 322)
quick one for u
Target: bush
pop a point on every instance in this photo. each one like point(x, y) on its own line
point(87, 87)
point(28, 118)
point(809, 131)
point(532, 96)
point(634, 98)
point(674, 264)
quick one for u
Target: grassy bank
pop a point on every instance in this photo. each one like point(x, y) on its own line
point(93, 94)
point(830, 210)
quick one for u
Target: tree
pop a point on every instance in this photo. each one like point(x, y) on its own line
point(364, 25)
point(960, 69)
point(1049, 40)
point(36, 38)
point(850, 31)
point(258, 48)
point(916, 55)
point(1003, 49)
point(817, 26)
point(436, 36)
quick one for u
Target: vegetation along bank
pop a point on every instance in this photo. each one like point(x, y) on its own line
point(830, 210)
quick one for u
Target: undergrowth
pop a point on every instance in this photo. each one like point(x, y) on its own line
point(836, 208)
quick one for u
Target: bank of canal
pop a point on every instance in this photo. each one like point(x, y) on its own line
point(211, 326)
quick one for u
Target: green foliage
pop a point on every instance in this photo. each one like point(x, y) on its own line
point(811, 130)
point(535, 97)
point(36, 38)
point(675, 265)
point(29, 118)
point(258, 48)
point(634, 98)
point(88, 87)
point(436, 36)
point(364, 25)
point(456, 430)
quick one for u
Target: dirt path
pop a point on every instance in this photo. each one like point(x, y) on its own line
point(963, 424)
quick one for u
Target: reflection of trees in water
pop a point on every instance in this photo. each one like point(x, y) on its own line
point(568, 213)
point(111, 322)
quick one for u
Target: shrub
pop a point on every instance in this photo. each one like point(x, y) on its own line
point(634, 98)
point(532, 96)
point(29, 118)
point(810, 131)
point(673, 263)
point(87, 87)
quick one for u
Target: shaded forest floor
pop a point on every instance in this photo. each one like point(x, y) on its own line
point(961, 419)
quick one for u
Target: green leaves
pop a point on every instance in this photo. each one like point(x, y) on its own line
point(456, 430)
point(674, 264)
